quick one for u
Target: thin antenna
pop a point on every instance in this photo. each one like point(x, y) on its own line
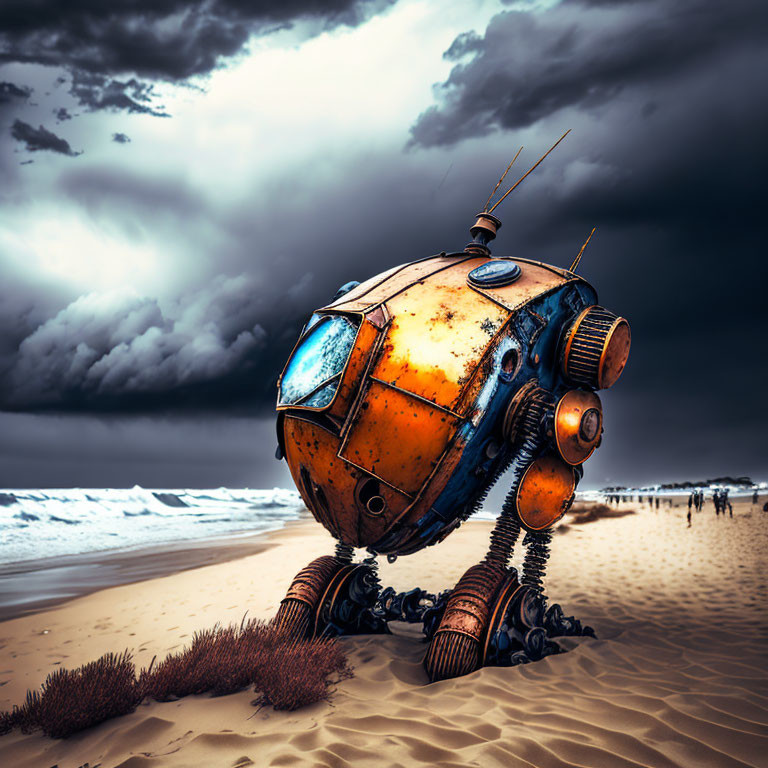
point(528, 172)
point(578, 258)
point(498, 183)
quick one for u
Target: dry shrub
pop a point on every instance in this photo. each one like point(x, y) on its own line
point(300, 673)
point(220, 660)
point(287, 674)
point(11, 720)
point(70, 700)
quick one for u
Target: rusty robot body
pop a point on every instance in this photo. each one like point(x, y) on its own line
point(402, 403)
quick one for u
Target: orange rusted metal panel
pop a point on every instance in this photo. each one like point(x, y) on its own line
point(398, 438)
point(311, 452)
point(419, 353)
point(367, 295)
point(355, 296)
point(578, 425)
point(350, 380)
point(545, 493)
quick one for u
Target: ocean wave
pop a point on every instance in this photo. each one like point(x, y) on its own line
point(49, 523)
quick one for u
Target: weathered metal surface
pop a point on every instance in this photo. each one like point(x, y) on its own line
point(346, 607)
point(352, 376)
point(295, 617)
point(421, 353)
point(469, 605)
point(523, 629)
point(461, 367)
point(615, 354)
point(421, 400)
point(310, 583)
point(311, 453)
point(578, 424)
point(455, 647)
point(382, 288)
point(398, 438)
point(508, 591)
point(536, 279)
point(596, 348)
point(483, 231)
point(546, 492)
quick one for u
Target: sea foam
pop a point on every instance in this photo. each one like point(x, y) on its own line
point(48, 522)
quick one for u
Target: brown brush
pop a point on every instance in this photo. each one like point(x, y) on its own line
point(286, 672)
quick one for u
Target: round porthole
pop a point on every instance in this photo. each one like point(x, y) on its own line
point(509, 362)
point(494, 274)
point(370, 498)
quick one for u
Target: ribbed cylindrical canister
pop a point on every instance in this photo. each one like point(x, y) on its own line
point(596, 348)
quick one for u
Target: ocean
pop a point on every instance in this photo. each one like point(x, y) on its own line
point(54, 523)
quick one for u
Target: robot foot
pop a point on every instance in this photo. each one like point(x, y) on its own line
point(491, 620)
point(348, 605)
point(331, 597)
point(522, 628)
point(296, 615)
point(455, 648)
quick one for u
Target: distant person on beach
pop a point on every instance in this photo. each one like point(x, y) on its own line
point(730, 509)
point(657, 502)
point(689, 516)
point(690, 504)
point(754, 497)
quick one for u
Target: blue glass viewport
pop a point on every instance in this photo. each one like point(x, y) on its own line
point(313, 373)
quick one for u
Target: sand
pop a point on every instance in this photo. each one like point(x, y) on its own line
point(35, 585)
point(677, 677)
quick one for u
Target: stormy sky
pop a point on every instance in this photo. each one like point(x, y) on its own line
point(183, 182)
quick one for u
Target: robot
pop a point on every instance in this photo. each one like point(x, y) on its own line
point(404, 400)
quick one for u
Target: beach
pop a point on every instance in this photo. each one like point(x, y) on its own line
point(678, 674)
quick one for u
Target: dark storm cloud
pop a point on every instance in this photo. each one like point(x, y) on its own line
point(94, 92)
point(121, 138)
point(163, 39)
point(667, 161)
point(40, 139)
point(667, 158)
point(9, 92)
point(115, 353)
point(109, 349)
point(170, 40)
point(529, 65)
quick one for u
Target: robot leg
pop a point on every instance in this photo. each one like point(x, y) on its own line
point(332, 596)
